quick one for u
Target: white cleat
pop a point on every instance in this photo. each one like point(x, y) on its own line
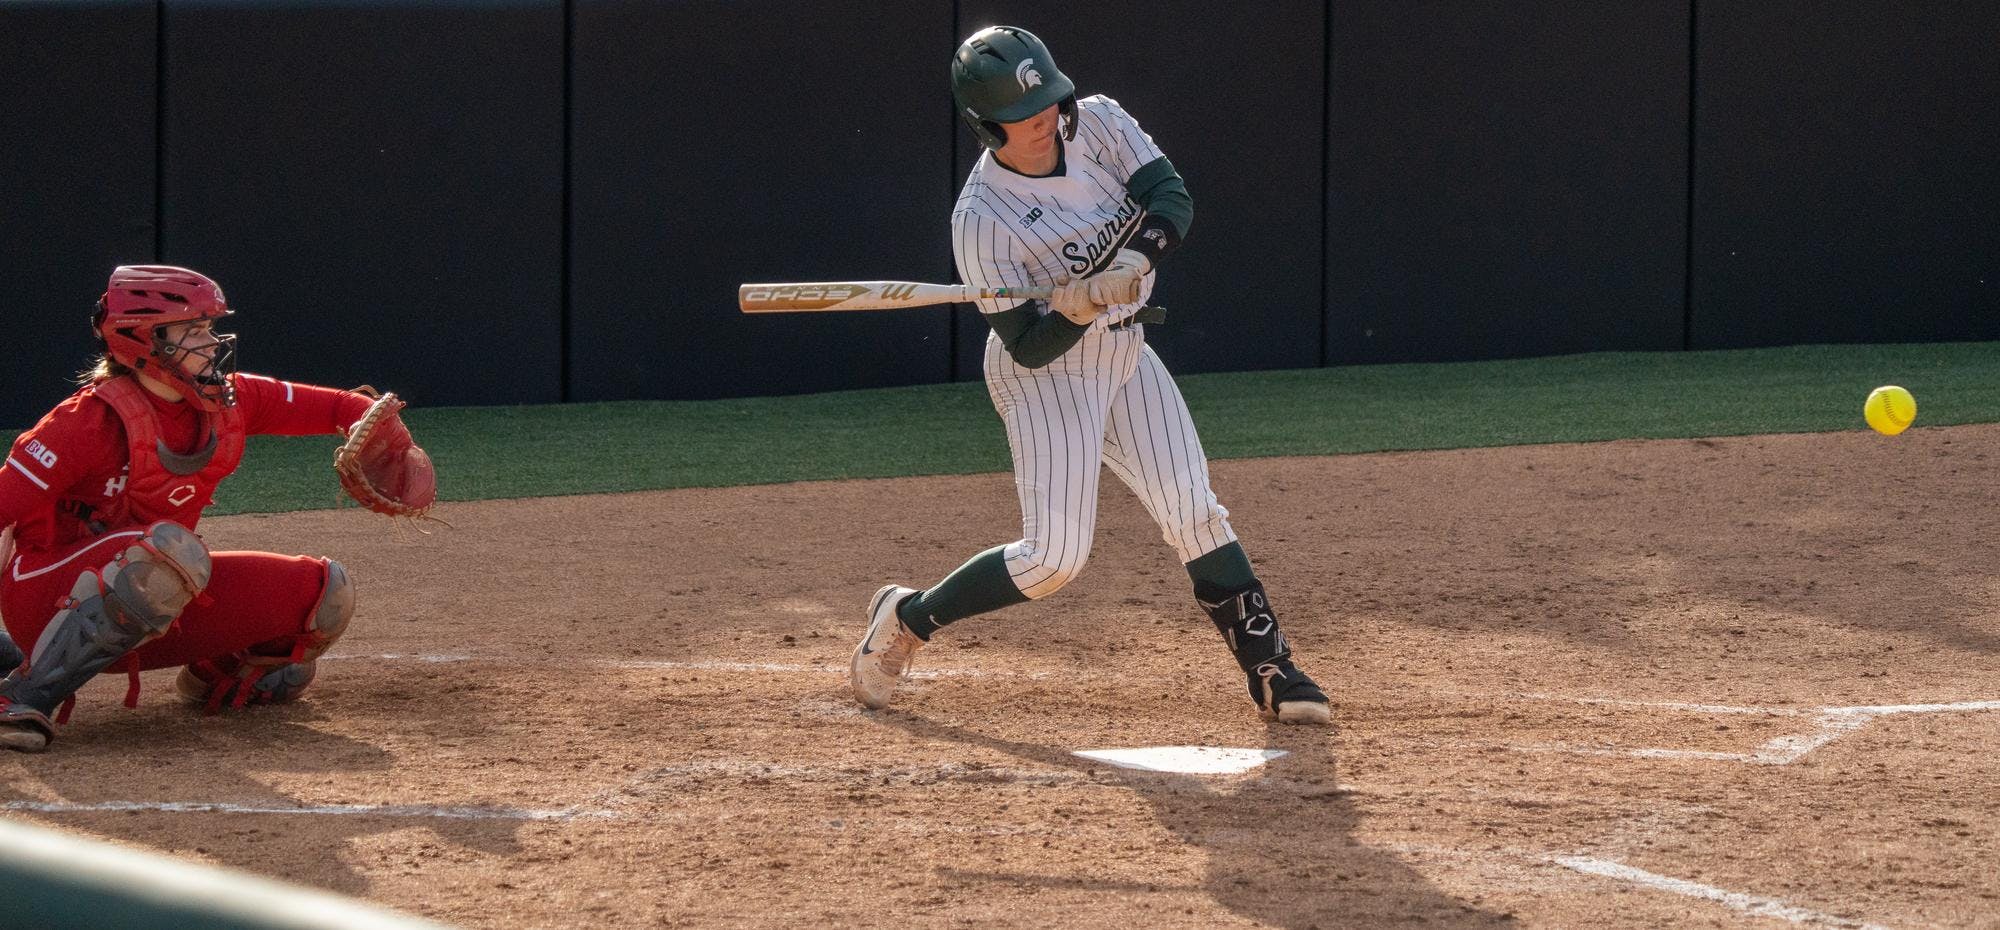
point(883, 657)
point(28, 732)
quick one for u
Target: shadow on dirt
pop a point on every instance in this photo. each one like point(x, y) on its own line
point(1279, 843)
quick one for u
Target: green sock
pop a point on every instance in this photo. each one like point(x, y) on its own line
point(981, 585)
point(1221, 572)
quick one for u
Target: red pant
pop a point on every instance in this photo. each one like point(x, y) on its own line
point(253, 599)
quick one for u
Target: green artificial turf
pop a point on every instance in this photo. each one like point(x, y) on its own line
point(499, 452)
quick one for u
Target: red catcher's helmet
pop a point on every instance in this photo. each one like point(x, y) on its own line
point(143, 299)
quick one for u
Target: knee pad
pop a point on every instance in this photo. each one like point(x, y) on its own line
point(329, 619)
point(323, 625)
point(141, 590)
point(155, 578)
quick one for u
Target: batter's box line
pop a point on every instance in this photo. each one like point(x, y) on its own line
point(1753, 905)
point(444, 812)
point(1522, 865)
point(1829, 724)
point(710, 665)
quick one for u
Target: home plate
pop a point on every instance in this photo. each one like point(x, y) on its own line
point(1187, 760)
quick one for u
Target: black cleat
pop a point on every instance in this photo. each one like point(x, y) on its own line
point(1297, 698)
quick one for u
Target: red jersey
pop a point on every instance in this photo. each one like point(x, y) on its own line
point(114, 455)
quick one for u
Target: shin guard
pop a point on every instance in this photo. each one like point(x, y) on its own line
point(110, 611)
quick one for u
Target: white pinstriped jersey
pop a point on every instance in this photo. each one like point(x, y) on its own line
point(1009, 230)
point(1108, 401)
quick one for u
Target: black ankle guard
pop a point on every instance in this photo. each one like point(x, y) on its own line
point(1248, 626)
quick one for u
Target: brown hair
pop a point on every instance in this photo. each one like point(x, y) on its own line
point(104, 369)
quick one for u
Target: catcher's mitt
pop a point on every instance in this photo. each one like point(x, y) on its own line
point(382, 467)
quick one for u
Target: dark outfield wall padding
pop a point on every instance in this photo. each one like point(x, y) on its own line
point(378, 187)
point(1506, 178)
point(1846, 185)
point(720, 143)
point(76, 182)
point(1232, 95)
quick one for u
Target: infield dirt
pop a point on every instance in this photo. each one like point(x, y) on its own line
point(1604, 685)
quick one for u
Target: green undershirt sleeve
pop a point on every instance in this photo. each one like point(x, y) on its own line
point(1033, 338)
point(1158, 188)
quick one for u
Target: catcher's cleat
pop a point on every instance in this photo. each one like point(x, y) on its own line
point(883, 657)
point(213, 683)
point(1297, 698)
point(25, 729)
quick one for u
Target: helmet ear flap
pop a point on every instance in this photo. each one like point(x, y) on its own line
point(989, 133)
point(993, 135)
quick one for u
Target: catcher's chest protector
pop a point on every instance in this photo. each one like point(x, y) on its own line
point(160, 484)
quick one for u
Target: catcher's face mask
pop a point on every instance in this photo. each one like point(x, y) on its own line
point(198, 359)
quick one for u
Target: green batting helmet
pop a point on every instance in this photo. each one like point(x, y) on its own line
point(1005, 75)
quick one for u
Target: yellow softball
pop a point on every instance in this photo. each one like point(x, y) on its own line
point(1889, 409)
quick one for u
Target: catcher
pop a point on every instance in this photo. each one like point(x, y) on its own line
point(100, 566)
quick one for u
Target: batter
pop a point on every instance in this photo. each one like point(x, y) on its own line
point(1072, 193)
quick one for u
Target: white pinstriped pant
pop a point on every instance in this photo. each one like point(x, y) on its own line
point(1108, 401)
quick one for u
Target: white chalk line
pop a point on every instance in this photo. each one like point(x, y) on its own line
point(739, 768)
point(1753, 905)
point(399, 657)
point(782, 668)
point(347, 810)
point(1664, 705)
point(1883, 710)
point(1516, 862)
point(1829, 724)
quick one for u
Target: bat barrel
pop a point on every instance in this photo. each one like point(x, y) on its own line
point(866, 295)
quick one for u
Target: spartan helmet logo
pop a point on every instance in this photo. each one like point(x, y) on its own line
point(1026, 75)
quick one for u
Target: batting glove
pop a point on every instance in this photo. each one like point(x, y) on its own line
point(1118, 283)
point(1072, 299)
